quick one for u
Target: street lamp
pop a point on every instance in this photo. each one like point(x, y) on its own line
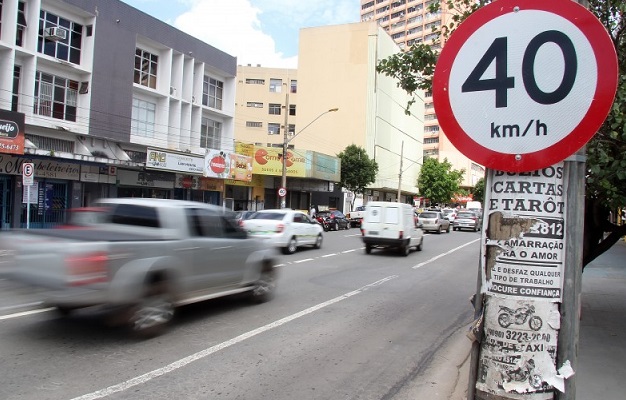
point(286, 141)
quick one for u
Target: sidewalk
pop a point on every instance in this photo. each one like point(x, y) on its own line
point(601, 372)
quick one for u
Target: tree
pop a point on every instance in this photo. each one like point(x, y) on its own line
point(357, 170)
point(438, 181)
point(479, 191)
point(606, 151)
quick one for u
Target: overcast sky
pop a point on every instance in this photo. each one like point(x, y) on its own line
point(255, 31)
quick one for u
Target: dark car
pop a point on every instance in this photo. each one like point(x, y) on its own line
point(332, 220)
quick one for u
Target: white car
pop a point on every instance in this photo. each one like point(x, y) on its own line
point(286, 229)
point(449, 213)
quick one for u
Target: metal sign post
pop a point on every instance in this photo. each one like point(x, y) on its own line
point(28, 172)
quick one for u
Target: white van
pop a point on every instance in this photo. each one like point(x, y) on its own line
point(390, 225)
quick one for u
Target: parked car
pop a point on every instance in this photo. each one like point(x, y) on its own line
point(433, 221)
point(285, 229)
point(332, 220)
point(136, 260)
point(467, 220)
point(390, 225)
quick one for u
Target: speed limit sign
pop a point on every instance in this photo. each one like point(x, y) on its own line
point(282, 192)
point(28, 173)
point(522, 85)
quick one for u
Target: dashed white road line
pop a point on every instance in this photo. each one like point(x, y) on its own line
point(25, 313)
point(444, 254)
point(206, 352)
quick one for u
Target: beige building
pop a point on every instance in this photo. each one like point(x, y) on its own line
point(336, 71)
point(337, 68)
point(410, 22)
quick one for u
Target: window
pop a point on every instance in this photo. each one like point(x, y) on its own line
point(276, 85)
point(254, 104)
point(433, 140)
point(16, 87)
point(292, 129)
point(294, 86)
point(274, 109)
point(210, 134)
point(21, 23)
point(212, 93)
point(273, 129)
point(55, 96)
point(143, 118)
point(59, 37)
point(255, 81)
point(146, 68)
point(434, 128)
point(254, 124)
point(292, 109)
point(430, 117)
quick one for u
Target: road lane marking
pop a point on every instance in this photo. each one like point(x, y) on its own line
point(444, 254)
point(329, 255)
point(207, 352)
point(301, 261)
point(348, 251)
point(25, 313)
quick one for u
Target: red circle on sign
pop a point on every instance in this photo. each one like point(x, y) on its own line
point(606, 61)
point(218, 164)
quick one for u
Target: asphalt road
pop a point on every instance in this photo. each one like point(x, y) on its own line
point(343, 325)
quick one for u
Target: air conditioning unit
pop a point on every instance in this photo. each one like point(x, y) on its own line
point(55, 33)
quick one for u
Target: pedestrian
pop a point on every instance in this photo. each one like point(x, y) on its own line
point(313, 211)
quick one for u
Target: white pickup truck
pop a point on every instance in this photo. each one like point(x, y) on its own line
point(139, 259)
point(356, 217)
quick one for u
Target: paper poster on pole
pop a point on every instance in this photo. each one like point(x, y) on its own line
point(526, 242)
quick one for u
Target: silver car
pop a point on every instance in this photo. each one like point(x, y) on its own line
point(467, 220)
point(433, 221)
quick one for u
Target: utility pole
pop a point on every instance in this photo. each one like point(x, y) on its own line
point(283, 183)
point(400, 174)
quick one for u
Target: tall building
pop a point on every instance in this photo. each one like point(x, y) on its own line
point(410, 22)
point(334, 99)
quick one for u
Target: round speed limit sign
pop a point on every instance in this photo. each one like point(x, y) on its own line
point(282, 192)
point(522, 85)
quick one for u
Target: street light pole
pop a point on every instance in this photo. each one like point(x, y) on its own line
point(287, 139)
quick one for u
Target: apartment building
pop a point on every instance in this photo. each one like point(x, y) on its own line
point(337, 69)
point(410, 22)
point(106, 101)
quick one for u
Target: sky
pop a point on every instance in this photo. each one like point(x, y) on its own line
point(261, 32)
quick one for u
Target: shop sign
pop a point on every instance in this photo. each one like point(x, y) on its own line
point(184, 163)
point(43, 168)
point(11, 132)
point(268, 161)
point(226, 165)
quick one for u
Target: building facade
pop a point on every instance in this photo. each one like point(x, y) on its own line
point(411, 22)
point(337, 69)
point(110, 102)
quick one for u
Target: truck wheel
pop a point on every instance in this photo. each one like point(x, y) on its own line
point(263, 289)
point(405, 250)
point(291, 247)
point(368, 249)
point(151, 315)
point(419, 246)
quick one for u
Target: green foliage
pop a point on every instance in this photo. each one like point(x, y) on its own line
point(606, 152)
point(357, 169)
point(438, 181)
point(478, 194)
